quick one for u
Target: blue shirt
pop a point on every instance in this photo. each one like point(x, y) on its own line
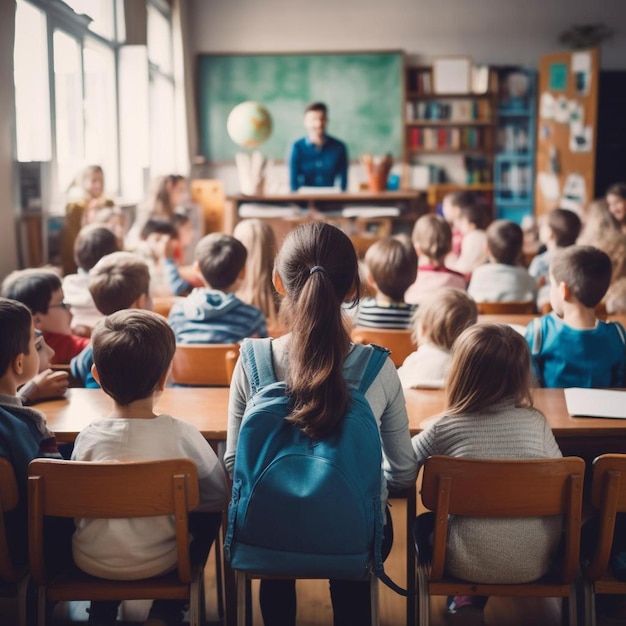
point(563, 356)
point(318, 166)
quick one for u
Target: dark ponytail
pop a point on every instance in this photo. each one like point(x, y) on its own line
point(319, 270)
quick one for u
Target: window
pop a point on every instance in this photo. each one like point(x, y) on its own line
point(102, 13)
point(32, 94)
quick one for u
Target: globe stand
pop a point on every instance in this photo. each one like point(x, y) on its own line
point(251, 172)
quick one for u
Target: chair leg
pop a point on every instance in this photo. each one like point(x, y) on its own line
point(571, 605)
point(241, 598)
point(374, 604)
point(196, 599)
point(423, 599)
point(42, 606)
point(590, 604)
point(411, 609)
point(218, 573)
point(22, 599)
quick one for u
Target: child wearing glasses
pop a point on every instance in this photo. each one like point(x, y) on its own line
point(41, 291)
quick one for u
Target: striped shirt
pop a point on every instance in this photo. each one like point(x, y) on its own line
point(374, 314)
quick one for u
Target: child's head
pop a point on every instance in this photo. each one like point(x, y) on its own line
point(132, 354)
point(40, 290)
point(616, 199)
point(92, 181)
point(490, 363)
point(44, 350)
point(443, 316)
point(92, 243)
point(561, 227)
point(156, 228)
point(471, 216)
point(221, 260)
point(316, 270)
point(432, 237)
point(120, 281)
point(505, 240)
point(392, 265)
point(579, 272)
point(17, 341)
point(170, 192)
point(452, 203)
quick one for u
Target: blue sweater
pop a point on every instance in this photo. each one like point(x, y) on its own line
point(212, 316)
point(318, 166)
point(563, 356)
point(80, 367)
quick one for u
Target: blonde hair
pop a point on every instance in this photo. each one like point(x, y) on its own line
point(490, 362)
point(257, 288)
point(433, 236)
point(444, 315)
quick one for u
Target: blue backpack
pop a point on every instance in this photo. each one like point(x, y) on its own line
point(302, 507)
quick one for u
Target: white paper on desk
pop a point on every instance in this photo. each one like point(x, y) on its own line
point(595, 402)
point(320, 190)
point(370, 211)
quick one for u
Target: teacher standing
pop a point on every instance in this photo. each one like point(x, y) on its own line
point(318, 160)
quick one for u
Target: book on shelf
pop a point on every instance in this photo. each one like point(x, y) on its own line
point(449, 111)
point(469, 138)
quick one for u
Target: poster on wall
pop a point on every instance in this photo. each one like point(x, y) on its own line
point(558, 77)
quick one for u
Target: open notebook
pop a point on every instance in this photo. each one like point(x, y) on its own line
point(595, 402)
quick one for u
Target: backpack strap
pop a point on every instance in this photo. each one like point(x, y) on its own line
point(535, 347)
point(377, 359)
point(620, 331)
point(256, 357)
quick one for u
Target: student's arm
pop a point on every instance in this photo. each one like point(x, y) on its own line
point(535, 353)
point(425, 445)
point(238, 398)
point(177, 284)
point(343, 168)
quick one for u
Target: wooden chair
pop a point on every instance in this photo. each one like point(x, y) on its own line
point(506, 308)
point(400, 342)
point(114, 490)
point(163, 304)
point(12, 580)
point(608, 496)
point(207, 365)
point(485, 488)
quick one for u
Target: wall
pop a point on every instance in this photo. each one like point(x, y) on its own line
point(8, 258)
point(497, 32)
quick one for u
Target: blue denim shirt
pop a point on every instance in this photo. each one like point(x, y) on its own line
point(318, 166)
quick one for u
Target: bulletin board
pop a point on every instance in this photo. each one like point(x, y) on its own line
point(363, 92)
point(566, 130)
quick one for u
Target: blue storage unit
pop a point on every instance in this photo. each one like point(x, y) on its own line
point(514, 163)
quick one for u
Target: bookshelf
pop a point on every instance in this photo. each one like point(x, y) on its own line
point(514, 167)
point(453, 134)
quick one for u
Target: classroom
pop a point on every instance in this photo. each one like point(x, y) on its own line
point(156, 154)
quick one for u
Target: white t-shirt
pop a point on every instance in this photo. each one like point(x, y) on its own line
point(129, 549)
point(425, 368)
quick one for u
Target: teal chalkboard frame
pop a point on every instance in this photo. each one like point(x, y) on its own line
point(363, 90)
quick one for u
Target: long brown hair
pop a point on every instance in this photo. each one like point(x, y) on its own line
point(490, 362)
point(162, 206)
point(318, 268)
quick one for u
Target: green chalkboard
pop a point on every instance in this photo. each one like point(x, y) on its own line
point(363, 92)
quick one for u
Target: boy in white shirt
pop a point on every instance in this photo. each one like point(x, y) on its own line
point(503, 279)
point(133, 351)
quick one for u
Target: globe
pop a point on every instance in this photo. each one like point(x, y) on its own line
point(249, 124)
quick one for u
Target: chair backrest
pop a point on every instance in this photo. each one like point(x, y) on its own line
point(486, 488)
point(608, 496)
point(399, 342)
point(506, 308)
point(207, 365)
point(163, 304)
point(210, 195)
point(110, 490)
point(8, 501)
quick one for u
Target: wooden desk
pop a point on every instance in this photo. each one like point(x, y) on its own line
point(409, 200)
point(207, 408)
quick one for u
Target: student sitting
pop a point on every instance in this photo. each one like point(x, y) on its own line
point(92, 243)
point(439, 320)
point(471, 221)
point(41, 291)
point(47, 383)
point(560, 228)
point(502, 279)
point(392, 268)
point(118, 281)
point(24, 434)
point(570, 347)
point(490, 415)
point(160, 239)
point(432, 239)
point(132, 353)
point(213, 314)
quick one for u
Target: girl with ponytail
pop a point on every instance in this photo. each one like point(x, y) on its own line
point(316, 272)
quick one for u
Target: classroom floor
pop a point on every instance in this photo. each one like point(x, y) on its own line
point(314, 607)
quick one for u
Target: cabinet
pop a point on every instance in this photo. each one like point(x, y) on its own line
point(514, 170)
point(454, 135)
